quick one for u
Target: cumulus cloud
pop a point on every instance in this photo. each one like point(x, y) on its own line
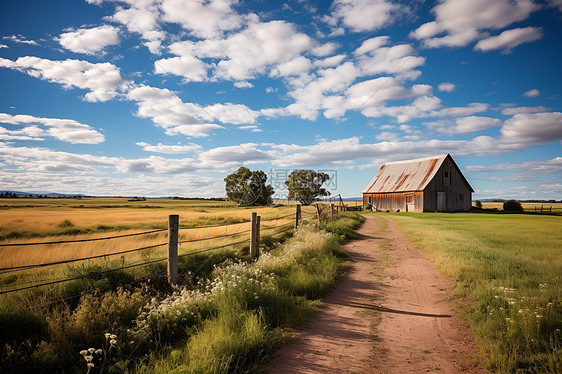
point(102, 80)
point(89, 41)
point(533, 129)
point(190, 68)
point(532, 93)
point(62, 129)
point(363, 15)
point(243, 84)
point(375, 57)
point(250, 52)
point(203, 18)
point(509, 39)
point(446, 87)
point(167, 110)
point(140, 17)
point(463, 22)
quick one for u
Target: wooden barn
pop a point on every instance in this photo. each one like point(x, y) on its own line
point(426, 184)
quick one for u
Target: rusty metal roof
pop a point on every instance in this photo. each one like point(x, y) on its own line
point(402, 176)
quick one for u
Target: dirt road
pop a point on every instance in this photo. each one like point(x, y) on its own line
point(391, 313)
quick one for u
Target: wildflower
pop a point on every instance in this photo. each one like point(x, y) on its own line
point(99, 352)
point(83, 352)
point(107, 335)
point(91, 364)
point(113, 337)
point(113, 342)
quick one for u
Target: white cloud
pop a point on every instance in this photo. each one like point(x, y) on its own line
point(446, 87)
point(524, 109)
point(250, 52)
point(20, 39)
point(141, 17)
point(243, 84)
point(167, 110)
point(375, 57)
point(509, 39)
point(533, 129)
point(171, 149)
point(364, 15)
point(62, 129)
point(236, 114)
point(296, 66)
point(463, 22)
point(205, 19)
point(3, 46)
point(537, 168)
point(230, 157)
point(89, 41)
point(532, 93)
point(189, 67)
point(103, 79)
point(465, 125)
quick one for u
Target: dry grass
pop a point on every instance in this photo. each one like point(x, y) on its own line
point(64, 220)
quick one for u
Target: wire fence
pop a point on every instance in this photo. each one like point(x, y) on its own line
point(30, 284)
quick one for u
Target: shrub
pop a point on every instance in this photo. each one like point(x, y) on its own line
point(512, 206)
point(478, 204)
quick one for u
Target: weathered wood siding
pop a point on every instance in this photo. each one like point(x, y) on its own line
point(396, 200)
point(449, 181)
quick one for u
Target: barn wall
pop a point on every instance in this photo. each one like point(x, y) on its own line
point(457, 194)
point(394, 201)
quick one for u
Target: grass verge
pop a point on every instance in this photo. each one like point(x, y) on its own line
point(510, 266)
point(229, 318)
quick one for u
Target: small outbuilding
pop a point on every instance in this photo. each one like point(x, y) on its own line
point(425, 184)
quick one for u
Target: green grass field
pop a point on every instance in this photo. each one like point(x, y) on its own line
point(510, 268)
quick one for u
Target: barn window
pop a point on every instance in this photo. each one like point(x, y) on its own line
point(447, 178)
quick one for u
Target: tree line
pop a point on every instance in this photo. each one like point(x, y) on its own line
point(246, 187)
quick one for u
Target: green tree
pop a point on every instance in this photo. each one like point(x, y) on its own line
point(246, 187)
point(306, 185)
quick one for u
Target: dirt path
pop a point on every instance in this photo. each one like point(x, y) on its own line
point(391, 313)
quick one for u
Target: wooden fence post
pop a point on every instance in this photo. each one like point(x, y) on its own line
point(297, 215)
point(173, 224)
point(331, 210)
point(318, 212)
point(255, 236)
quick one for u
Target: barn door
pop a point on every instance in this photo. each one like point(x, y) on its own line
point(410, 203)
point(441, 202)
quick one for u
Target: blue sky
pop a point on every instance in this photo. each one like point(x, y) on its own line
point(167, 97)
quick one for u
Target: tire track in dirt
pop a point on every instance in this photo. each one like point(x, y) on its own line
point(392, 312)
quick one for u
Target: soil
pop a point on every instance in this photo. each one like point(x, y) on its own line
point(392, 312)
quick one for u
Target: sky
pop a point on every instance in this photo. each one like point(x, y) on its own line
point(167, 97)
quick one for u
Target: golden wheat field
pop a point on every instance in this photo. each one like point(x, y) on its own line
point(52, 220)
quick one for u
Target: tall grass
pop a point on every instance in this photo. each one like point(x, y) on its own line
point(228, 315)
point(510, 266)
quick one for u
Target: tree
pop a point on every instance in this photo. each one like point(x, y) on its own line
point(306, 185)
point(247, 187)
point(512, 206)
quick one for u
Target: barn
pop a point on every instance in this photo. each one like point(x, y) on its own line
point(425, 184)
